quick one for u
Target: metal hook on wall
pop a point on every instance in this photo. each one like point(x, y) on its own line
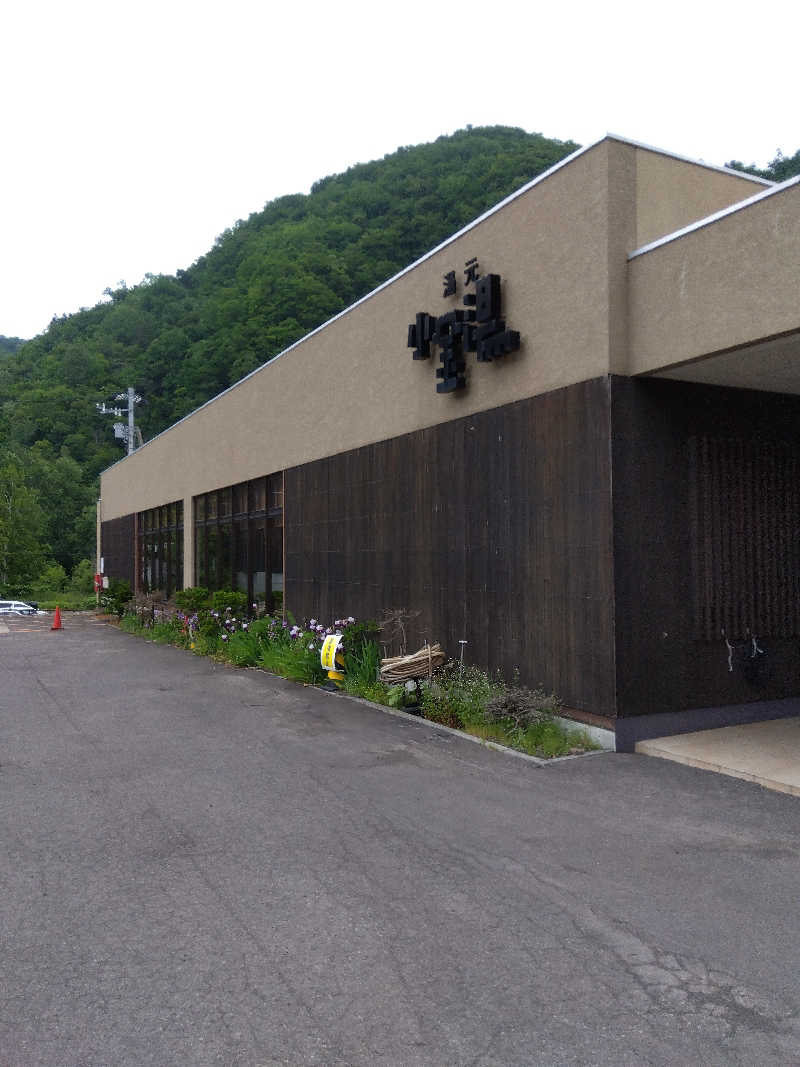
point(730, 650)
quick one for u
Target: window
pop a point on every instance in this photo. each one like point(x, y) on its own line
point(159, 551)
point(239, 539)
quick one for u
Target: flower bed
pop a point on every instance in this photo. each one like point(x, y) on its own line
point(456, 695)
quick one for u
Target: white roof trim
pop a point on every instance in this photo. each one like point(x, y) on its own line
point(709, 219)
point(465, 229)
point(688, 159)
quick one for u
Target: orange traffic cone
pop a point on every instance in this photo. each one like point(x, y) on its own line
point(57, 619)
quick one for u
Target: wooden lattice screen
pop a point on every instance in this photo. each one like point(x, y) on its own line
point(745, 538)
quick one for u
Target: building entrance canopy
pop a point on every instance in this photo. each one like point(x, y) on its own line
point(717, 302)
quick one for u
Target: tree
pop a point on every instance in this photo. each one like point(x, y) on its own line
point(22, 553)
point(780, 169)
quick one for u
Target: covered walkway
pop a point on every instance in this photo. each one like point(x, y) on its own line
point(767, 753)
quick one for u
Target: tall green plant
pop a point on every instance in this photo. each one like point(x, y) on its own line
point(192, 600)
point(228, 600)
point(361, 667)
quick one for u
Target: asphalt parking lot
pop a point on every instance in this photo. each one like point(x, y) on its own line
point(203, 865)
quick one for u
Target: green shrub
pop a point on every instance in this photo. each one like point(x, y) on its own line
point(361, 666)
point(165, 633)
point(208, 625)
point(293, 660)
point(81, 580)
point(397, 696)
point(53, 579)
point(131, 623)
point(243, 648)
point(225, 600)
point(457, 695)
point(114, 599)
point(205, 646)
point(192, 600)
point(269, 630)
point(377, 693)
point(358, 634)
point(547, 740)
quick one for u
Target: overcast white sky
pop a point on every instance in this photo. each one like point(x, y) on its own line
point(133, 134)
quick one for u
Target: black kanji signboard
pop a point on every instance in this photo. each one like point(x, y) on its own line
point(479, 328)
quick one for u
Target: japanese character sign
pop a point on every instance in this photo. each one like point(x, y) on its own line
point(479, 328)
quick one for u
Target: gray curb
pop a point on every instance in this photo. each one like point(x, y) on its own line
point(494, 745)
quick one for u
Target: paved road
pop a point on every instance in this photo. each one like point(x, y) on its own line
point(207, 866)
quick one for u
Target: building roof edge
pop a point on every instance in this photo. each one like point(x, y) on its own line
point(689, 159)
point(715, 217)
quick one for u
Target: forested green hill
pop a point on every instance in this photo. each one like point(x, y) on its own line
point(181, 339)
point(8, 345)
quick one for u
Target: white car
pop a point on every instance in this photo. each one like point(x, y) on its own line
point(16, 607)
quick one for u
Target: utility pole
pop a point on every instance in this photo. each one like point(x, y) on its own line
point(131, 402)
point(122, 432)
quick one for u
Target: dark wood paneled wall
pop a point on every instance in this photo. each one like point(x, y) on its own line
point(495, 527)
point(118, 548)
point(667, 548)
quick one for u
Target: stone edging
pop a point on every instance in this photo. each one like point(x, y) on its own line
point(494, 745)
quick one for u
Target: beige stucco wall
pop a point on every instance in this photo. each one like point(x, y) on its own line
point(355, 382)
point(561, 248)
point(730, 283)
point(672, 193)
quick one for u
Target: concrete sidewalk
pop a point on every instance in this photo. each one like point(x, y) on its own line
point(767, 753)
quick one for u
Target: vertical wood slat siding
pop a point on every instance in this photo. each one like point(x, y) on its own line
point(496, 528)
point(118, 548)
point(745, 522)
point(691, 474)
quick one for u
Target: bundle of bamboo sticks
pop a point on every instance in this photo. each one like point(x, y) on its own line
point(417, 665)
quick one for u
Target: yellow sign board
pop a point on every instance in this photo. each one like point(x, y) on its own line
point(330, 647)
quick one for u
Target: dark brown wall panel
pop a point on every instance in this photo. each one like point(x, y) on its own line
point(706, 524)
point(495, 527)
point(118, 548)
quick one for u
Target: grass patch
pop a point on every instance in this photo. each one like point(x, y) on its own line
point(545, 740)
point(67, 602)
